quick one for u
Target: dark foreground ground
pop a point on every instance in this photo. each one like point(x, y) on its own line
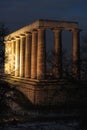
point(17, 114)
point(47, 124)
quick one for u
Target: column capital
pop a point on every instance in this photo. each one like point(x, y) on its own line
point(75, 30)
point(17, 37)
point(27, 33)
point(41, 28)
point(22, 35)
point(57, 29)
point(13, 38)
point(7, 41)
point(34, 31)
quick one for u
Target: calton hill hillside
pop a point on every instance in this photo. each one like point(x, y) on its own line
point(15, 107)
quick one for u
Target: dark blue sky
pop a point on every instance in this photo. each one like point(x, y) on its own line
point(18, 13)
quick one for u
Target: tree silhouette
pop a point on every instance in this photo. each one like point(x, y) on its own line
point(84, 58)
point(66, 64)
point(3, 32)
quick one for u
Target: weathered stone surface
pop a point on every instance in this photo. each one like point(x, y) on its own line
point(41, 54)
point(46, 93)
point(13, 42)
point(17, 57)
point(22, 56)
point(34, 55)
point(28, 55)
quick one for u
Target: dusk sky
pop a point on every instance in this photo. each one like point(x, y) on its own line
point(19, 13)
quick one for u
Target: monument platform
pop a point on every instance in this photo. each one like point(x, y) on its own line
point(47, 92)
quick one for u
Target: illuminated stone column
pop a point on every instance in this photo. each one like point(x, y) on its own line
point(28, 55)
point(41, 54)
point(22, 55)
point(75, 54)
point(5, 65)
point(9, 56)
point(17, 57)
point(13, 57)
point(57, 53)
point(34, 55)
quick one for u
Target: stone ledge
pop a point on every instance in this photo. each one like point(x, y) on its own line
point(47, 24)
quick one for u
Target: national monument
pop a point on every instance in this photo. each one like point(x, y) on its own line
point(25, 50)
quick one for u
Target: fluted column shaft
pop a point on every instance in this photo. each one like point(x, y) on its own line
point(57, 53)
point(34, 55)
point(22, 56)
point(75, 53)
point(28, 55)
point(9, 57)
point(41, 55)
point(17, 57)
point(5, 65)
point(13, 58)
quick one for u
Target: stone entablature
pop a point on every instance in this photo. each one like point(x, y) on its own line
point(26, 49)
point(46, 24)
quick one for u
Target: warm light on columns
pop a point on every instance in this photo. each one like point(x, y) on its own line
point(13, 57)
point(41, 54)
point(28, 55)
point(22, 55)
point(34, 55)
point(17, 56)
point(8, 56)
